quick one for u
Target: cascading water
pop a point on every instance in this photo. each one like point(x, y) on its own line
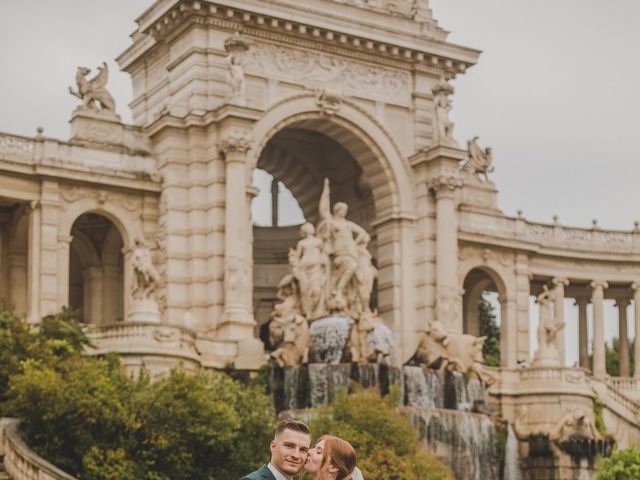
point(424, 388)
point(511, 458)
point(464, 441)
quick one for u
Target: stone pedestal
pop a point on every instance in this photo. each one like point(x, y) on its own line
point(96, 127)
point(144, 311)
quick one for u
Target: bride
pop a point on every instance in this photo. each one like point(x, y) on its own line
point(332, 459)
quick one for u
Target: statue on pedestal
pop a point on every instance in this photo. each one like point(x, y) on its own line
point(479, 161)
point(547, 354)
point(93, 93)
point(309, 265)
point(443, 126)
point(237, 46)
point(144, 307)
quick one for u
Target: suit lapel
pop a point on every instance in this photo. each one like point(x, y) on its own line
point(266, 474)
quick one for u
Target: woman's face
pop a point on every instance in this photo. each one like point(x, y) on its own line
point(314, 459)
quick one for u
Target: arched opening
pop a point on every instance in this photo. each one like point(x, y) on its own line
point(482, 311)
point(96, 270)
point(292, 167)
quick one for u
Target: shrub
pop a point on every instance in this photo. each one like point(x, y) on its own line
point(622, 465)
point(386, 444)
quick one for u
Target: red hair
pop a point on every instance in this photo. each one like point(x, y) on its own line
point(340, 454)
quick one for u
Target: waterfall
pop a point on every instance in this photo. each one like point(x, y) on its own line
point(464, 441)
point(423, 388)
point(511, 457)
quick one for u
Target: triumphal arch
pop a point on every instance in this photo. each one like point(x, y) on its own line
point(147, 228)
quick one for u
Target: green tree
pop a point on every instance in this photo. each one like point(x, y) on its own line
point(622, 465)
point(386, 443)
point(612, 357)
point(489, 328)
point(58, 337)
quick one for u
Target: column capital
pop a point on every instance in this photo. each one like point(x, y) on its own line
point(556, 281)
point(622, 302)
point(635, 286)
point(581, 300)
point(235, 141)
point(599, 284)
point(444, 184)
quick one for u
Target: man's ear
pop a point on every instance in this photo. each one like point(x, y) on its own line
point(272, 445)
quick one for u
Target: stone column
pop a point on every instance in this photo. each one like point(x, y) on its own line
point(64, 246)
point(623, 336)
point(274, 203)
point(635, 286)
point(558, 312)
point(33, 263)
point(597, 297)
point(448, 294)
point(237, 321)
point(583, 351)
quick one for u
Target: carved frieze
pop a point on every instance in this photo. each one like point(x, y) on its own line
point(322, 70)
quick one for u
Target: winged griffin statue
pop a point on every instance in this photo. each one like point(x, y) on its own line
point(93, 92)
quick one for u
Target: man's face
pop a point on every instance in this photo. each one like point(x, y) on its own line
point(289, 451)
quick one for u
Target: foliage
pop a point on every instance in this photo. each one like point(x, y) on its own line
point(622, 465)
point(58, 337)
point(612, 357)
point(87, 417)
point(386, 443)
point(598, 418)
point(489, 328)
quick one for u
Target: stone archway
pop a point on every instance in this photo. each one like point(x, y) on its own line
point(96, 270)
point(479, 280)
point(386, 209)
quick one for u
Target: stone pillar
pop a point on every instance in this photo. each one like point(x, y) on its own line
point(636, 317)
point(558, 312)
point(448, 294)
point(583, 351)
point(597, 297)
point(110, 287)
point(623, 336)
point(509, 333)
point(64, 246)
point(33, 263)
point(237, 321)
point(274, 203)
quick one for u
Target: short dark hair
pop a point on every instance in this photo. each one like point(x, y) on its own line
point(290, 424)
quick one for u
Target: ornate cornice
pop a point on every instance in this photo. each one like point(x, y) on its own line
point(451, 60)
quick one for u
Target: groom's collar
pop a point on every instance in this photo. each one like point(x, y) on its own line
point(277, 473)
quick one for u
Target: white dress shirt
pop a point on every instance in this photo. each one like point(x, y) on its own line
point(277, 473)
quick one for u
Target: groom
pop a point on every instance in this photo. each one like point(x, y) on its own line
point(289, 450)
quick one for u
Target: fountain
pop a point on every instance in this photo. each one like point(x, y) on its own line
point(327, 338)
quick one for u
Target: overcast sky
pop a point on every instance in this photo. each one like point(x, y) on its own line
point(555, 92)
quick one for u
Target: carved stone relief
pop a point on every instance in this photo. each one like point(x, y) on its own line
point(314, 69)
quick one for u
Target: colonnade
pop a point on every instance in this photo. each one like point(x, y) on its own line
point(594, 293)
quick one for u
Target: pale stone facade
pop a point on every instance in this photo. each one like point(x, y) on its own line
point(359, 96)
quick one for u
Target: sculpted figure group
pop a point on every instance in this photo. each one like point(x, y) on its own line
point(331, 272)
point(93, 93)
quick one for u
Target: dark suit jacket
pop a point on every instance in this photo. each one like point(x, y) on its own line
point(263, 474)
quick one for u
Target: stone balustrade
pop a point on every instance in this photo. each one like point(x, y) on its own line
point(550, 236)
point(22, 463)
point(43, 153)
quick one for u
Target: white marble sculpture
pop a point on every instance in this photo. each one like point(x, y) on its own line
point(331, 273)
point(479, 162)
point(438, 348)
point(443, 126)
point(547, 354)
point(236, 46)
point(93, 92)
point(145, 281)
